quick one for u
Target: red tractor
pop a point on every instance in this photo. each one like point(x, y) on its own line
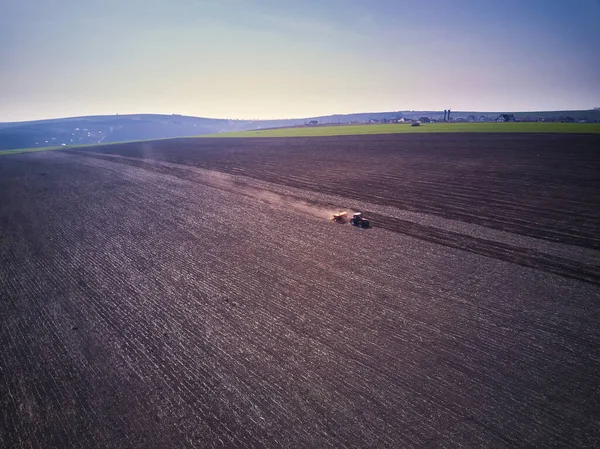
point(357, 219)
point(360, 221)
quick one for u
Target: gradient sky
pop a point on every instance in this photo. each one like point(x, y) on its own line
point(282, 59)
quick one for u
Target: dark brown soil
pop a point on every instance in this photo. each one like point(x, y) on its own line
point(146, 302)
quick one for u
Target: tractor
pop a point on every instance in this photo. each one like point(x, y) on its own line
point(359, 221)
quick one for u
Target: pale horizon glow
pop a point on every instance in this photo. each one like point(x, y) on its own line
point(266, 59)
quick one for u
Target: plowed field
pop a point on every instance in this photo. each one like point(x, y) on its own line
point(193, 293)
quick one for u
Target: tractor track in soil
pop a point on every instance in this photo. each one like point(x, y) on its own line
point(461, 177)
point(494, 249)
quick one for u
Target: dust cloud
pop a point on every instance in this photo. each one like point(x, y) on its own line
point(230, 183)
point(226, 182)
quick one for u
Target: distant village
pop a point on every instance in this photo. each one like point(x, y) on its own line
point(481, 118)
point(79, 136)
point(447, 116)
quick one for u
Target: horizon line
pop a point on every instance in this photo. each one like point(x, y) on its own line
point(292, 118)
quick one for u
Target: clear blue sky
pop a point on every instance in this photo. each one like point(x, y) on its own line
point(279, 58)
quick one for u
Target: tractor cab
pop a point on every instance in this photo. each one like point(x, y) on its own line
point(358, 220)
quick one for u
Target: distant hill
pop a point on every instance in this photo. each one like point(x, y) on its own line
point(118, 128)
